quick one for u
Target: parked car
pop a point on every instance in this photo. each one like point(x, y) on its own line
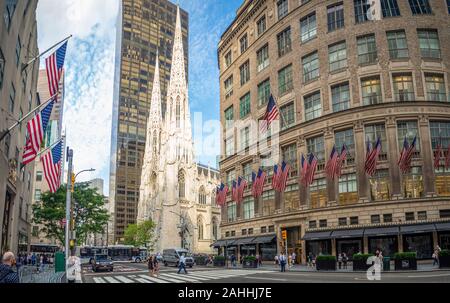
point(172, 257)
point(102, 262)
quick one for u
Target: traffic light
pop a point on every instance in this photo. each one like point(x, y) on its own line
point(73, 182)
point(72, 243)
point(284, 234)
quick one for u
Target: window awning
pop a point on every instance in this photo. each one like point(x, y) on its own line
point(222, 243)
point(348, 233)
point(442, 226)
point(243, 241)
point(381, 231)
point(264, 239)
point(417, 229)
point(318, 235)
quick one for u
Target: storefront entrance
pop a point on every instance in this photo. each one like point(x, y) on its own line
point(349, 247)
point(444, 240)
point(422, 244)
point(388, 245)
point(318, 247)
point(248, 250)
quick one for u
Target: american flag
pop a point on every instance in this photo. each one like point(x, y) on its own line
point(241, 185)
point(437, 156)
point(447, 157)
point(332, 163)
point(36, 130)
point(405, 159)
point(221, 194)
point(54, 66)
point(258, 183)
point(271, 115)
point(312, 166)
point(403, 152)
point(341, 161)
point(276, 176)
point(372, 158)
point(234, 191)
point(52, 167)
point(304, 165)
point(284, 174)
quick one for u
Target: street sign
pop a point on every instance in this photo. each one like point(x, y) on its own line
point(284, 234)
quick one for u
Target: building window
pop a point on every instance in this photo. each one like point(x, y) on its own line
point(287, 113)
point(420, 7)
point(202, 196)
point(282, 8)
point(318, 193)
point(285, 83)
point(367, 49)
point(435, 87)
point(284, 42)
point(361, 9)
point(409, 216)
point(200, 228)
point(348, 193)
point(2, 68)
point(263, 229)
point(323, 223)
point(261, 25)
point(244, 43)
point(231, 211)
point(354, 221)
point(244, 232)
point(413, 183)
point(228, 59)
point(289, 155)
point(250, 231)
point(244, 106)
point(233, 233)
point(18, 51)
point(408, 130)
point(429, 43)
point(228, 87)
point(312, 224)
point(371, 90)
point(262, 56)
point(245, 138)
point(340, 96)
point(313, 106)
point(403, 87)
point(247, 170)
point(345, 137)
point(390, 8)
point(372, 133)
point(263, 92)
point(231, 175)
point(245, 72)
point(9, 12)
point(229, 117)
point(387, 218)
point(398, 46)
point(444, 213)
point(316, 146)
point(229, 146)
point(181, 185)
point(375, 219)
point(308, 27)
point(215, 229)
point(271, 228)
point(421, 215)
point(37, 195)
point(249, 208)
point(342, 221)
point(310, 65)
point(448, 6)
point(12, 98)
point(379, 185)
point(337, 56)
point(440, 135)
point(335, 16)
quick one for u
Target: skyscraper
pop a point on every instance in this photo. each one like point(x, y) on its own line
point(144, 27)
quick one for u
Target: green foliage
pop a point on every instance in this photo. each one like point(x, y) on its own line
point(405, 255)
point(219, 258)
point(140, 234)
point(88, 209)
point(364, 257)
point(250, 258)
point(326, 258)
point(444, 253)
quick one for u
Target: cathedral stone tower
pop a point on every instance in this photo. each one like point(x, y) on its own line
point(174, 189)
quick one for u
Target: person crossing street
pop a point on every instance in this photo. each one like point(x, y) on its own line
point(182, 264)
point(282, 260)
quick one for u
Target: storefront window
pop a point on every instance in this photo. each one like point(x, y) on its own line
point(349, 247)
point(413, 183)
point(388, 245)
point(379, 185)
point(443, 181)
point(444, 240)
point(319, 247)
point(422, 244)
point(268, 251)
point(291, 196)
point(318, 193)
point(248, 250)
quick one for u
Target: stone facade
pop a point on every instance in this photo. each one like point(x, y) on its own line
point(326, 106)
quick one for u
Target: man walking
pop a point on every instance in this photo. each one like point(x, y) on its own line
point(182, 264)
point(282, 260)
point(7, 274)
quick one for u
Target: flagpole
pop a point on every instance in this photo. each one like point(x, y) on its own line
point(279, 110)
point(51, 146)
point(3, 135)
point(24, 66)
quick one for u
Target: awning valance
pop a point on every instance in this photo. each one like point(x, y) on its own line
point(264, 239)
point(243, 241)
point(317, 235)
point(417, 228)
point(381, 231)
point(348, 233)
point(442, 226)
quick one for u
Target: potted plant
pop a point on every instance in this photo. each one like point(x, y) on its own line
point(250, 262)
point(444, 258)
point(200, 259)
point(326, 262)
point(219, 261)
point(406, 261)
point(360, 262)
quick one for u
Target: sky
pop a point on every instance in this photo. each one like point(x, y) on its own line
point(89, 70)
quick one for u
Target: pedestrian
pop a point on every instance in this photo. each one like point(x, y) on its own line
point(151, 264)
point(344, 260)
point(282, 260)
point(310, 258)
point(289, 261)
point(276, 260)
point(7, 274)
point(155, 266)
point(340, 261)
point(33, 259)
point(260, 260)
point(380, 259)
point(435, 256)
point(294, 258)
point(41, 263)
point(182, 264)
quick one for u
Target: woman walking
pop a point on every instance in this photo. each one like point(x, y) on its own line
point(151, 266)
point(155, 266)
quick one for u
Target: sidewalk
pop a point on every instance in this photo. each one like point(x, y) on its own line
point(30, 274)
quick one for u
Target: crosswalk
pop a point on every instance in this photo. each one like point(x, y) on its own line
point(192, 277)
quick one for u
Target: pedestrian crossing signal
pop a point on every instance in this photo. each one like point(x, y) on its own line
point(284, 234)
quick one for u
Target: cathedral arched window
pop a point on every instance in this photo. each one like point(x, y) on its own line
point(202, 195)
point(155, 142)
point(213, 197)
point(200, 227)
point(215, 228)
point(181, 185)
point(178, 111)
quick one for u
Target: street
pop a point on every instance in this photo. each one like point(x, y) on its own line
point(138, 273)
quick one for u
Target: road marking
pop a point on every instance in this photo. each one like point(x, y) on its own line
point(111, 280)
point(156, 280)
point(124, 279)
point(262, 278)
point(141, 280)
point(99, 280)
point(185, 278)
point(427, 276)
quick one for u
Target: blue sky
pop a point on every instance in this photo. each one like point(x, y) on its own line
point(90, 69)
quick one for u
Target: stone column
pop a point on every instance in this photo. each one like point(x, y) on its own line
point(427, 155)
point(435, 239)
point(331, 184)
point(360, 157)
point(393, 156)
point(400, 243)
point(366, 245)
point(333, 247)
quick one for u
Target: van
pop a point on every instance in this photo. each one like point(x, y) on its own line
point(172, 257)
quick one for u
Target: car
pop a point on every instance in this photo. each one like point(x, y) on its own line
point(172, 257)
point(102, 262)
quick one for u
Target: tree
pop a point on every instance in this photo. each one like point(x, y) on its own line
point(140, 234)
point(88, 211)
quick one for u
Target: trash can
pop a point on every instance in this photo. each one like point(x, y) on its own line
point(386, 263)
point(60, 262)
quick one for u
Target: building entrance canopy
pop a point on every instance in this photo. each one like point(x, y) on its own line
point(244, 241)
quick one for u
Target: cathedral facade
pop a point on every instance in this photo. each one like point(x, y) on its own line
point(176, 193)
